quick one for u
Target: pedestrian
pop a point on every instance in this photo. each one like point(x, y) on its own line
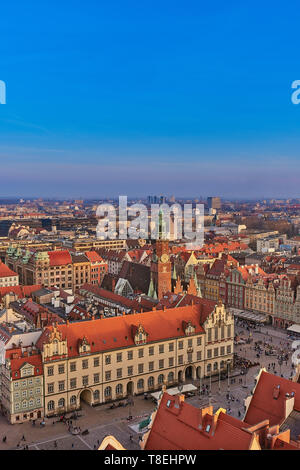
point(72, 445)
point(4, 439)
point(130, 437)
point(23, 438)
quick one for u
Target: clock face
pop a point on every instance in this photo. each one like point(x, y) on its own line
point(164, 258)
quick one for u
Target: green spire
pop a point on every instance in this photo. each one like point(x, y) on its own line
point(151, 288)
point(174, 275)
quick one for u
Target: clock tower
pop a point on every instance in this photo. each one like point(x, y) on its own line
point(160, 263)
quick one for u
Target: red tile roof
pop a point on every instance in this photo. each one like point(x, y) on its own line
point(59, 257)
point(20, 291)
point(180, 426)
point(116, 332)
point(18, 359)
point(5, 271)
point(263, 404)
point(94, 257)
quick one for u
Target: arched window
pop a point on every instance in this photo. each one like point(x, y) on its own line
point(73, 400)
point(140, 384)
point(119, 389)
point(61, 402)
point(208, 368)
point(96, 395)
point(171, 377)
point(222, 364)
point(215, 366)
point(151, 382)
point(161, 378)
point(107, 392)
point(50, 405)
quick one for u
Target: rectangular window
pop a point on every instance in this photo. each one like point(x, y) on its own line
point(171, 347)
point(85, 380)
point(85, 364)
point(96, 378)
point(96, 361)
point(130, 370)
point(161, 364)
point(119, 357)
point(199, 341)
point(161, 348)
point(151, 366)
point(72, 366)
point(222, 350)
point(61, 386)
point(151, 351)
point(180, 359)
point(51, 388)
point(209, 353)
point(141, 353)
point(171, 361)
point(199, 355)
point(209, 335)
point(130, 355)
point(108, 359)
point(50, 370)
point(180, 345)
point(73, 383)
point(228, 349)
point(190, 343)
point(61, 369)
point(108, 375)
point(141, 368)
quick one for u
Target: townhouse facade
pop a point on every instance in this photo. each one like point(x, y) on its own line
point(60, 268)
point(22, 388)
point(98, 361)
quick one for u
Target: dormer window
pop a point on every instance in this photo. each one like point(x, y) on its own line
point(207, 429)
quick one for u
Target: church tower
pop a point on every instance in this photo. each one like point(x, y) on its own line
point(161, 264)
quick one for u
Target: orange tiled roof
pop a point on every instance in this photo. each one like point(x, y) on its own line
point(59, 257)
point(263, 404)
point(5, 271)
point(181, 426)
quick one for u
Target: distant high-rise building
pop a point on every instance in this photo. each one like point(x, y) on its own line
point(214, 202)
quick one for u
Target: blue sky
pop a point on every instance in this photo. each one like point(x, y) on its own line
point(145, 97)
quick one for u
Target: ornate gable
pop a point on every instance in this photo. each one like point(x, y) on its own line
point(139, 334)
point(188, 328)
point(84, 346)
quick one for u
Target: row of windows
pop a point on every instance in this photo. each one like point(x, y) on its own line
point(28, 404)
point(151, 350)
point(216, 351)
point(119, 372)
point(26, 382)
point(216, 333)
point(24, 393)
point(73, 366)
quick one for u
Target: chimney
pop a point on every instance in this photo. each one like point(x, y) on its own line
point(181, 398)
